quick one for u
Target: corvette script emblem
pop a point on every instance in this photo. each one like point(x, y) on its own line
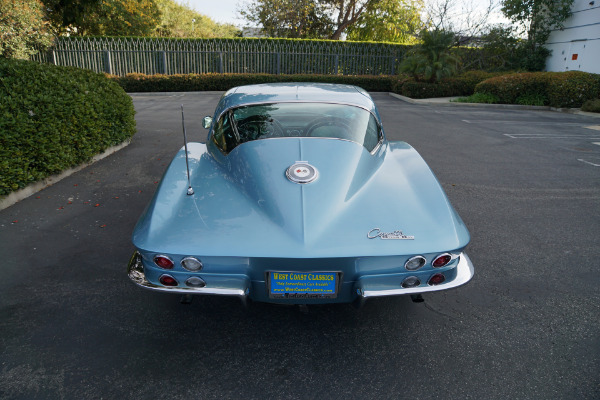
point(397, 235)
point(301, 172)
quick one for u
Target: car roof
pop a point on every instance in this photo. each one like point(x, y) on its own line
point(295, 92)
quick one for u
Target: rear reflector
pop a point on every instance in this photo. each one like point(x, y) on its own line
point(436, 279)
point(167, 280)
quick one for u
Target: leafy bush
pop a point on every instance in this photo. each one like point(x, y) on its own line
point(591, 106)
point(558, 89)
point(221, 82)
point(53, 118)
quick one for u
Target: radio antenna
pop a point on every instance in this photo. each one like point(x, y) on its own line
point(190, 191)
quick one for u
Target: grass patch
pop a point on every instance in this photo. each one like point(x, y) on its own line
point(478, 98)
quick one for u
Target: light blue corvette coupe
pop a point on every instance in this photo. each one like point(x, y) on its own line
point(298, 198)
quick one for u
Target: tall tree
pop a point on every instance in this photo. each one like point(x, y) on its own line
point(289, 18)
point(537, 18)
point(347, 13)
point(69, 15)
point(22, 29)
point(305, 18)
point(123, 18)
point(388, 21)
point(178, 20)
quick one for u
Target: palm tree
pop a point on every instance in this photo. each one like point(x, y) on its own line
point(431, 60)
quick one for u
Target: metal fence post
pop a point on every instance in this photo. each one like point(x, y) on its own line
point(279, 63)
point(108, 62)
point(337, 64)
point(221, 62)
point(163, 58)
point(393, 69)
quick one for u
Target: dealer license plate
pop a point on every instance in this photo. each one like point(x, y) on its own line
point(303, 284)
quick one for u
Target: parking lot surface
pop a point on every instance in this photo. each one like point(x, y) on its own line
point(526, 183)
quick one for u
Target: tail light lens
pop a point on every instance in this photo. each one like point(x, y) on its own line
point(164, 262)
point(168, 280)
point(441, 260)
point(191, 264)
point(411, 281)
point(415, 263)
point(436, 279)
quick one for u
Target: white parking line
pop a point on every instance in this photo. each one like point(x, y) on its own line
point(598, 143)
point(550, 136)
point(588, 162)
point(594, 127)
point(528, 123)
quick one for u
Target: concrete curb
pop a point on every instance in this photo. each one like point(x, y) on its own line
point(446, 102)
point(14, 197)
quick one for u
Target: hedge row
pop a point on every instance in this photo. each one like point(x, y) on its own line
point(458, 86)
point(53, 118)
point(557, 89)
point(221, 82)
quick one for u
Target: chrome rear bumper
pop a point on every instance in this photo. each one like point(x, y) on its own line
point(135, 271)
point(464, 273)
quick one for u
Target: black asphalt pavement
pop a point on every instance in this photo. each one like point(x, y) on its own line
point(526, 183)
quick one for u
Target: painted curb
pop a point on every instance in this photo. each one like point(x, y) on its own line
point(35, 187)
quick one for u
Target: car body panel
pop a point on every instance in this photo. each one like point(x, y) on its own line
point(246, 219)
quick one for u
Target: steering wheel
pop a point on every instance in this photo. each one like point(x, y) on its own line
point(259, 127)
point(340, 126)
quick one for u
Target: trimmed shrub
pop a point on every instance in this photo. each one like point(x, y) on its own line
point(53, 118)
point(557, 89)
point(591, 106)
point(220, 82)
point(572, 89)
point(507, 88)
point(462, 85)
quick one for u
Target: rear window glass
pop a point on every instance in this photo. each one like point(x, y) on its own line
point(265, 121)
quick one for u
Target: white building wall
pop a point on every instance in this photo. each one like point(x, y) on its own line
point(577, 46)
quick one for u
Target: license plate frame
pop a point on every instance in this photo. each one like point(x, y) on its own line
point(303, 285)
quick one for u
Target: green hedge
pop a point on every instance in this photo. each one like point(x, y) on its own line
point(53, 118)
point(556, 89)
point(461, 85)
point(220, 82)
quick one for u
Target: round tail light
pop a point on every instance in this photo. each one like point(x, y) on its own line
point(415, 263)
point(411, 281)
point(436, 279)
point(168, 280)
point(441, 260)
point(191, 264)
point(163, 261)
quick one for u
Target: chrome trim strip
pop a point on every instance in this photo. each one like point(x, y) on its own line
point(135, 271)
point(464, 273)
